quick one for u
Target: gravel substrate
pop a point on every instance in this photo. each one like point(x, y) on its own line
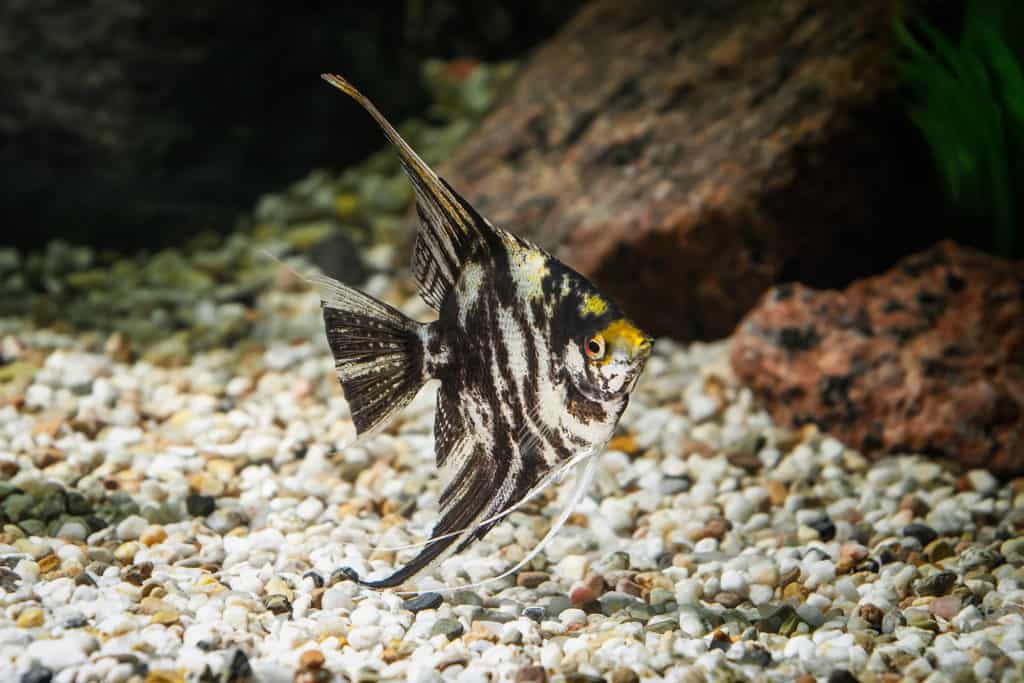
point(172, 523)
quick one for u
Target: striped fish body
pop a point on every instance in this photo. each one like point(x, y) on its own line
point(536, 366)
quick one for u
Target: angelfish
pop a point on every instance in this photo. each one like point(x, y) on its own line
point(536, 365)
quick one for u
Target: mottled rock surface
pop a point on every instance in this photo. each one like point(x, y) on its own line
point(689, 156)
point(928, 357)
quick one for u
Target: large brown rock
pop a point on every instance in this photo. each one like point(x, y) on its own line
point(928, 357)
point(689, 155)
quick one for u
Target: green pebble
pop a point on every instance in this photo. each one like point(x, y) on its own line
point(7, 488)
point(33, 527)
point(50, 507)
point(614, 602)
point(77, 504)
point(663, 625)
point(466, 598)
point(773, 617)
point(449, 628)
point(16, 506)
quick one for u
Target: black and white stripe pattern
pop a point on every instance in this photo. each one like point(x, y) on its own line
point(518, 399)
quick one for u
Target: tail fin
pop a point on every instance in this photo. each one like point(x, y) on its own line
point(378, 353)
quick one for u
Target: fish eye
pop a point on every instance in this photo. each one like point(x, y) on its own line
point(595, 347)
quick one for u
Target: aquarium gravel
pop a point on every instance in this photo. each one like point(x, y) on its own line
point(184, 521)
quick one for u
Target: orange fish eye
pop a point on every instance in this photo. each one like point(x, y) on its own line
point(594, 348)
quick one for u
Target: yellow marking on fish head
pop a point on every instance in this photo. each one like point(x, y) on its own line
point(594, 304)
point(622, 335)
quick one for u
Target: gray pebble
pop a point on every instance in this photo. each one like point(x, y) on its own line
point(892, 620)
point(536, 614)
point(200, 506)
point(936, 584)
point(555, 605)
point(614, 601)
point(495, 616)
point(774, 616)
point(423, 601)
point(466, 598)
point(449, 628)
point(973, 558)
point(922, 532)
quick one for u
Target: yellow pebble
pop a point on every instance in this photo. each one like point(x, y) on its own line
point(208, 583)
point(31, 618)
point(49, 563)
point(163, 676)
point(153, 534)
point(165, 617)
point(152, 605)
point(311, 659)
point(126, 551)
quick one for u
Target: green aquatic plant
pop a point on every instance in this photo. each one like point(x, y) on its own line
point(968, 102)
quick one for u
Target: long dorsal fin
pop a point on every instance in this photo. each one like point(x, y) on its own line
point(450, 230)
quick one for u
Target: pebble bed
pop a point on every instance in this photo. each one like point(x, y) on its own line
point(184, 523)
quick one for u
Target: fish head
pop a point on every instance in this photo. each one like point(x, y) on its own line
point(606, 351)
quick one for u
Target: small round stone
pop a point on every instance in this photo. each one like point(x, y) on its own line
point(936, 584)
point(311, 659)
point(449, 628)
point(153, 535)
point(922, 532)
point(131, 528)
point(424, 601)
point(624, 674)
point(31, 617)
point(199, 505)
point(531, 674)
point(531, 579)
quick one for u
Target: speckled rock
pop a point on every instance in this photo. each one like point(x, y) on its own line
point(927, 357)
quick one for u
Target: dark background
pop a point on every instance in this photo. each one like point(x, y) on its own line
point(131, 123)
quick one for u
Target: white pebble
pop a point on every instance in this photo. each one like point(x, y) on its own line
point(363, 637)
point(763, 572)
point(131, 527)
point(573, 567)
point(701, 407)
point(336, 597)
point(38, 396)
point(309, 509)
point(689, 591)
point(820, 572)
point(236, 616)
point(983, 482)
point(691, 623)
point(573, 616)
point(57, 654)
point(73, 530)
point(618, 512)
point(738, 508)
point(799, 646)
point(365, 615)
point(734, 582)
point(759, 594)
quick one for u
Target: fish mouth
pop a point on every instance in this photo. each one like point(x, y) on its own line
point(626, 342)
